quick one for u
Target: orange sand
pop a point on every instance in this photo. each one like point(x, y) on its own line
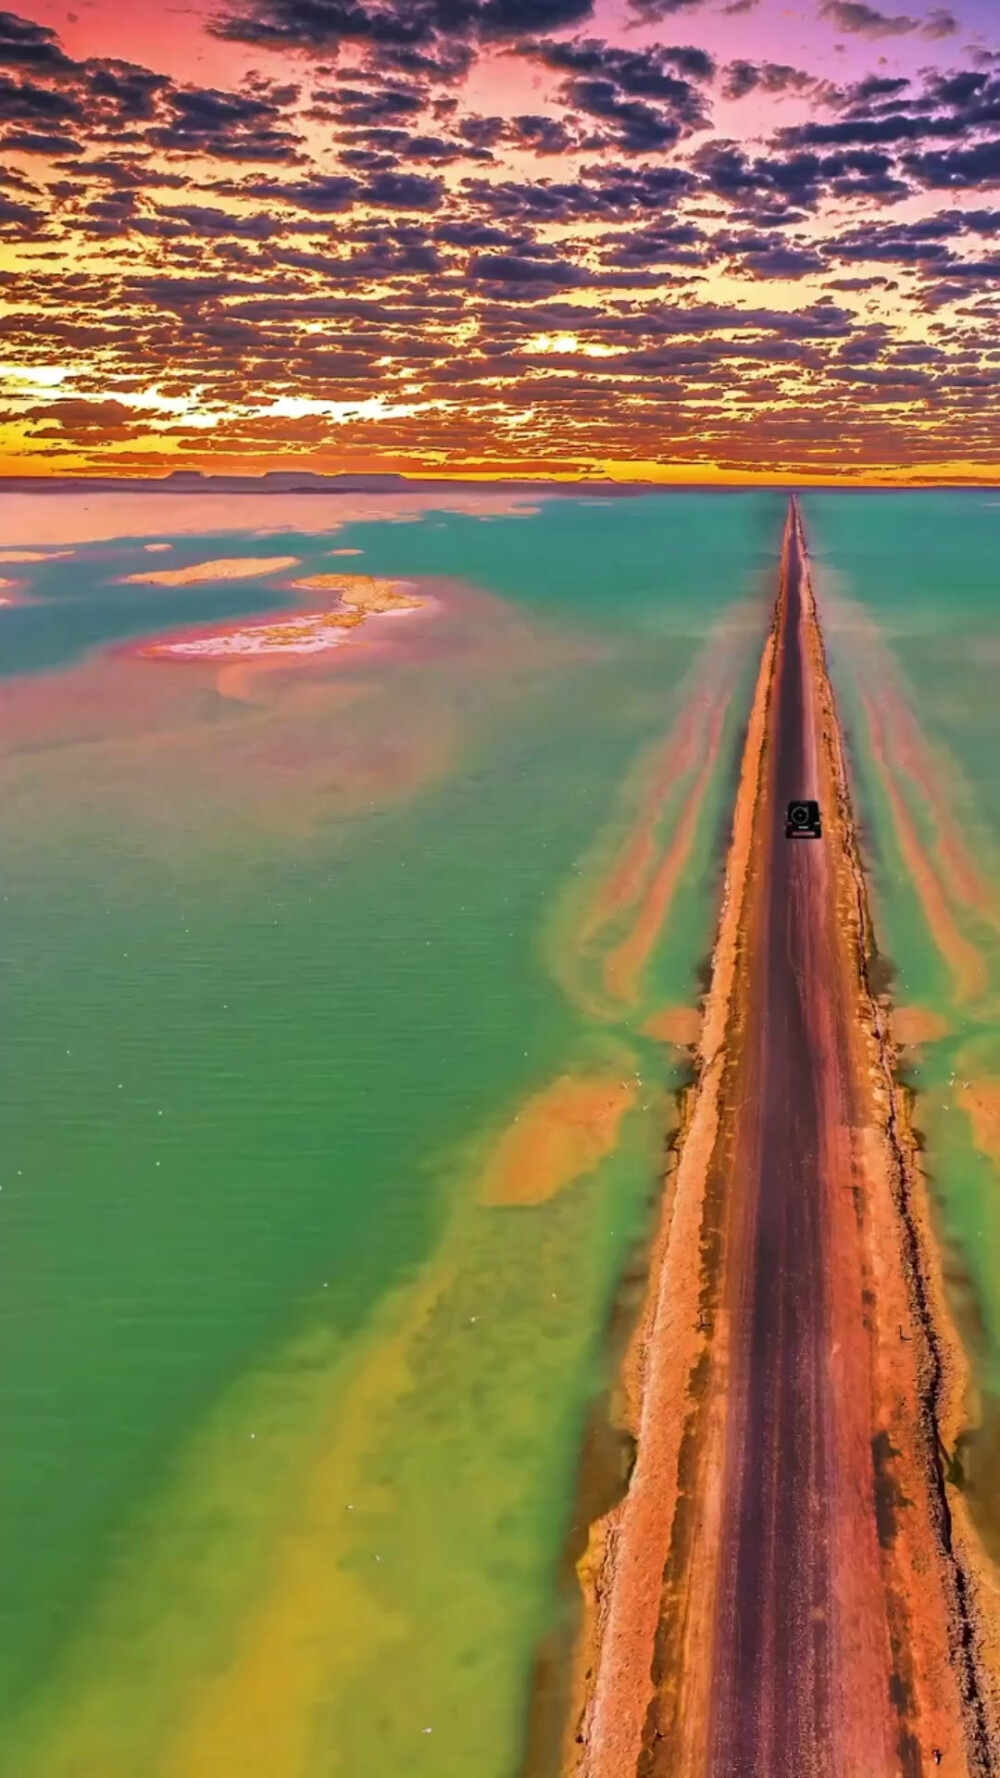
point(561, 1134)
point(916, 1024)
point(674, 1024)
point(230, 568)
point(981, 1101)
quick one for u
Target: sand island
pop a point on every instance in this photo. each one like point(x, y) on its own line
point(229, 568)
point(314, 632)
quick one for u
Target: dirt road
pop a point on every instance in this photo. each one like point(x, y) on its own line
point(786, 1590)
point(772, 1657)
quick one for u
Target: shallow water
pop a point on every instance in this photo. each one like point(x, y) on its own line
point(292, 1404)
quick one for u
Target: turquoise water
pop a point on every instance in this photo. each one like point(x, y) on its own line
point(292, 1419)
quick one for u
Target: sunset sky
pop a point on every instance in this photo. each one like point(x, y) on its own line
point(681, 239)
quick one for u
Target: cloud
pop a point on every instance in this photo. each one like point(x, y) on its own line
point(48, 143)
point(324, 196)
point(640, 97)
point(780, 261)
point(941, 23)
point(372, 105)
point(384, 149)
point(228, 126)
point(646, 74)
point(541, 135)
point(800, 179)
point(350, 246)
point(19, 221)
point(512, 269)
point(207, 223)
point(680, 243)
point(93, 420)
point(23, 101)
point(406, 28)
point(957, 168)
point(25, 44)
point(124, 93)
point(950, 105)
point(653, 12)
point(865, 21)
point(601, 191)
point(875, 88)
point(862, 20)
point(402, 191)
point(743, 77)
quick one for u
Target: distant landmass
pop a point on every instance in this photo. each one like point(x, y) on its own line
point(307, 481)
point(298, 481)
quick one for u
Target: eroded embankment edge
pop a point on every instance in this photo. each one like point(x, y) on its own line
point(942, 1368)
point(621, 1571)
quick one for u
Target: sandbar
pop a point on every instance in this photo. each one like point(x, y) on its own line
point(311, 634)
point(229, 568)
point(34, 555)
point(362, 592)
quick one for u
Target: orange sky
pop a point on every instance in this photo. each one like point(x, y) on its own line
point(674, 239)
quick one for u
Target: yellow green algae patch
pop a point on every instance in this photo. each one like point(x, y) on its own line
point(290, 1604)
point(228, 568)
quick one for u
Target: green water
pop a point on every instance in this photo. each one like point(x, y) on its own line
point(291, 1420)
point(924, 568)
